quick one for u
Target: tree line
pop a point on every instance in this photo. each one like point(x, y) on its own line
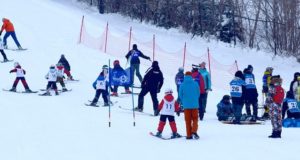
point(262, 24)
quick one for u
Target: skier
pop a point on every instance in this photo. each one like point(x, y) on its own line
point(2, 51)
point(60, 76)
point(66, 65)
point(118, 69)
point(20, 76)
point(290, 106)
point(250, 93)
point(133, 56)
point(199, 79)
point(266, 82)
point(167, 107)
point(225, 110)
point(152, 82)
point(51, 76)
point(207, 82)
point(275, 97)
point(10, 31)
point(296, 75)
point(178, 81)
point(237, 92)
point(101, 87)
point(189, 94)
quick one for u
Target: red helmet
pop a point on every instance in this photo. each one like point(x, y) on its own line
point(116, 62)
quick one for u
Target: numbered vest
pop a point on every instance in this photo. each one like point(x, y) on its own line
point(168, 108)
point(249, 80)
point(60, 72)
point(292, 105)
point(52, 75)
point(236, 88)
point(20, 72)
point(135, 55)
point(179, 80)
point(101, 84)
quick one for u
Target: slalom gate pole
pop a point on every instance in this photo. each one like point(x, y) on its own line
point(237, 67)
point(109, 112)
point(106, 34)
point(184, 52)
point(132, 97)
point(129, 42)
point(81, 28)
point(153, 47)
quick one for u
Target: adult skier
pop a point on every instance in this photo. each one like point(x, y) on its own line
point(207, 82)
point(66, 65)
point(116, 70)
point(10, 31)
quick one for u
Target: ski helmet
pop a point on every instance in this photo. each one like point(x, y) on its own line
point(105, 66)
point(52, 66)
point(116, 62)
point(168, 91)
point(16, 64)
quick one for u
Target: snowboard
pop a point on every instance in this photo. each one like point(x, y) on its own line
point(10, 60)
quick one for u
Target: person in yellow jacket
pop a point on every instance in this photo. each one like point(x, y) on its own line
point(266, 83)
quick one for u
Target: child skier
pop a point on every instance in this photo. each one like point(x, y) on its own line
point(51, 76)
point(275, 98)
point(60, 76)
point(20, 76)
point(101, 87)
point(116, 70)
point(2, 51)
point(225, 110)
point(167, 107)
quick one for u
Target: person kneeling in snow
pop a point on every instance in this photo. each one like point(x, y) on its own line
point(290, 106)
point(118, 69)
point(20, 76)
point(101, 87)
point(167, 107)
point(225, 110)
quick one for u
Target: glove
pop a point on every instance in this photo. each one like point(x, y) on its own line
point(10, 71)
point(178, 113)
point(149, 58)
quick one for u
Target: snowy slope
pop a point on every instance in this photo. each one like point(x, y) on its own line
point(62, 128)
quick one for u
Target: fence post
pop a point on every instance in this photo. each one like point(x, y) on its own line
point(153, 47)
point(106, 34)
point(81, 28)
point(129, 44)
point(184, 53)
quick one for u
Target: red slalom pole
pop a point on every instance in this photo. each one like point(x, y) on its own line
point(184, 52)
point(81, 28)
point(208, 56)
point(129, 43)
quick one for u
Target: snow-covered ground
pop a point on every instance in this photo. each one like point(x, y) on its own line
point(62, 128)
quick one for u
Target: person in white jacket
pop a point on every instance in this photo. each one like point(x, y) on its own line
point(51, 76)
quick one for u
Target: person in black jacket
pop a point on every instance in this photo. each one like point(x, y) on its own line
point(133, 56)
point(152, 82)
point(296, 75)
point(66, 65)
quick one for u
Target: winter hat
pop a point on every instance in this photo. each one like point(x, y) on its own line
point(154, 64)
point(105, 67)
point(188, 73)
point(62, 56)
point(180, 69)
point(239, 74)
point(296, 75)
point(270, 69)
point(168, 91)
point(134, 46)
point(289, 94)
point(52, 66)
point(202, 64)
point(250, 66)
point(16, 64)
point(226, 97)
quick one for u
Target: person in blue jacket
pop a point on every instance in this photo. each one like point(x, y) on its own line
point(189, 94)
point(251, 93)
point(101, 87)
point(133, 56)
point(207, 83)
point(224, 109)
point(178, 80)
point(237, 92)
point(290, 106)
point(114, 72)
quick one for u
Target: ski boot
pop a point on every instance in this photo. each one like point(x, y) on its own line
point(64, 89)
point(158, 134)
point(195, 136)
point(106, 105)
point(175, 135)
point(5, 46)
point(93, 104)
point(156, 112)
point(56, 93)
point(28, 90)
point(5, 60)
point(46, 94)
point(114, 94)
point(138, 109)
point(13, 89)
point(20, 48)
point(127, 91)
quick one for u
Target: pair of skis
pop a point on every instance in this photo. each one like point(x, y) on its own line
point(19, 91)
point(97, 105)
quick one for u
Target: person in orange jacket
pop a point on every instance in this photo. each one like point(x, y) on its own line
point(10, 31)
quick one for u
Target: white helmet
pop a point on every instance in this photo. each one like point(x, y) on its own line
point(168, 91)
point(52, 66)
point(16, 64)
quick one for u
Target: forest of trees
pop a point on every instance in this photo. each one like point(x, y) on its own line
point(262, 24)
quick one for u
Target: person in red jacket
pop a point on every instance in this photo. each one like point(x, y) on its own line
point(20, 76)
point(10, 31)
point(167, 107)
point(199, 79)
point(276, 96)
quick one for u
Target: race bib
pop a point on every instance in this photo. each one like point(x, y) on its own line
point(101, 85)
point(249, 81)
point(236, 89)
